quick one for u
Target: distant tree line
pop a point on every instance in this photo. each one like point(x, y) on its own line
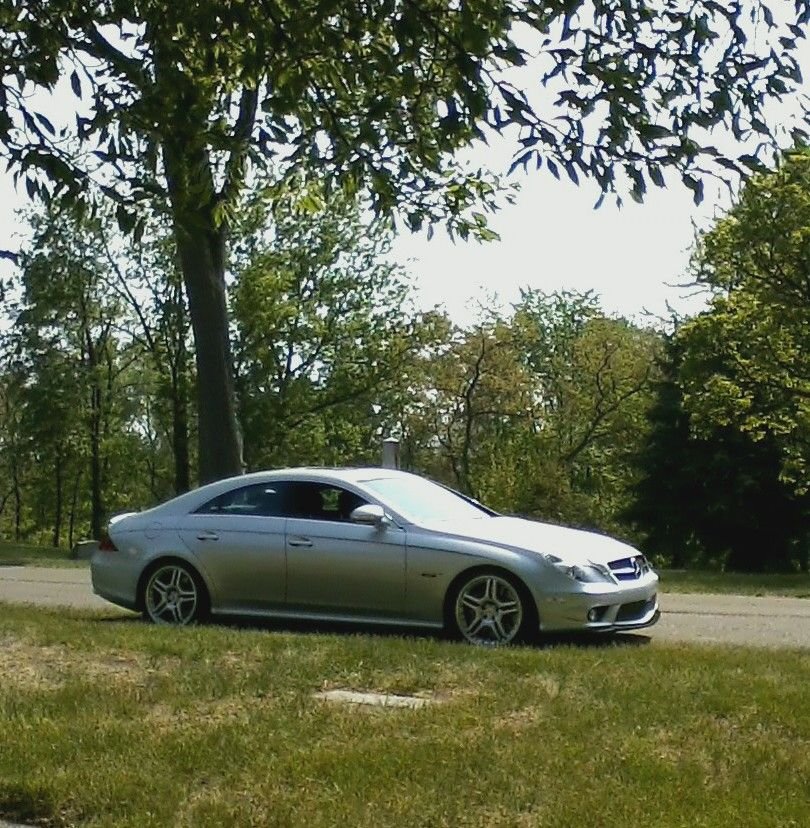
point(725, 468)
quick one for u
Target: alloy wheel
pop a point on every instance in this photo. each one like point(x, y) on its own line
point(172, 595)
point(489, 610)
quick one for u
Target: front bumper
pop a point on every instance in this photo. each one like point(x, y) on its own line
point(594, 608)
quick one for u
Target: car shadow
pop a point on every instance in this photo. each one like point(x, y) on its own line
point(304, 627)
point(594, 640)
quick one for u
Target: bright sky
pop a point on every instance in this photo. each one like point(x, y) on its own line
point(634, 258)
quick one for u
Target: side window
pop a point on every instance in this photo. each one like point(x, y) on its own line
point(319, 501)
point(260, 500)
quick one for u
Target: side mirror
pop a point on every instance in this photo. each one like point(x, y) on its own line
point(369, 513)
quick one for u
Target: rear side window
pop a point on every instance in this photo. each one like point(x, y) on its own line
point(320, 501)
point(259, 499)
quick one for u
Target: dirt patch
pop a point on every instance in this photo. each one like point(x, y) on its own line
point(213, 712)
point(47, 667)
point(524, 718)
point(371, 699)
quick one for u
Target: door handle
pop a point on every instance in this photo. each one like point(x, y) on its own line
point(204, 536)
point(300, 542)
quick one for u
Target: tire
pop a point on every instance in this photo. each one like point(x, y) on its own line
point(490, 608)
point(174, 594)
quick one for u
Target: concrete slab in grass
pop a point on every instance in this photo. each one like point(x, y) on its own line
point(374, 699)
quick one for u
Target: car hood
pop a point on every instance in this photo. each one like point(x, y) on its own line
point(574, 546)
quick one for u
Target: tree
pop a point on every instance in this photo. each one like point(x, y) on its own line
point(147, 280)
point(475, 393)
point(593, 377)
point(327, 338)
point(80, 384)
point(539, 411)
point(746, 360)
point(713, 498)
point(176, 101)
point(66, 331)
point(12, 451)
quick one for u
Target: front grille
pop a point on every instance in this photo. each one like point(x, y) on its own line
point(629, 569)
point(635, 611)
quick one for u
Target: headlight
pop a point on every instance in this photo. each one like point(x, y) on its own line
point(589, 574)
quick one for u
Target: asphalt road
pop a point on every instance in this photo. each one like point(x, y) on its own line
point(57, 587)
point(709, 619)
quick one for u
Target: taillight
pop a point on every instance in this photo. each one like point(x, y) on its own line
point(106, 544)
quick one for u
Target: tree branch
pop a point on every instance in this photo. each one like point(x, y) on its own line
point(234, 166)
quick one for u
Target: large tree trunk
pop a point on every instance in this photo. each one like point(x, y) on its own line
point(201, 247)
point(219, 438)
point(201, 238)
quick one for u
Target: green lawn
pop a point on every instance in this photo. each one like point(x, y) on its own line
point(17, 554)
point(117, 723)
point(736, 583)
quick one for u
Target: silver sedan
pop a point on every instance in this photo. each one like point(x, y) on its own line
point(370, 545)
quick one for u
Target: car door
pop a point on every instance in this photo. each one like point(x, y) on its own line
point(238, 538)
point(338, 567)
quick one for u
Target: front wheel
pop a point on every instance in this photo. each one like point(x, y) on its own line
point(488, 609)
point(174, 595)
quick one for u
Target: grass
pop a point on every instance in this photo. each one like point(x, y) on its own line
point(735, 583)
point(116, 723)
point(18, 554)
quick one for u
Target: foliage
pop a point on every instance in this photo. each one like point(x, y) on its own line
point(594, 375)
point(537, 412)
point(534, 411)
point(747, 359)
point(713, 498)
point(327, 338)
point(66, 364)
point(83, 431)
point(147, 282)
point(176, 102)
point(382, 94)
point(468, 412)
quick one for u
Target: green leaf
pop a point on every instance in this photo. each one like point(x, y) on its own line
point(126, 218)
point(76, 84)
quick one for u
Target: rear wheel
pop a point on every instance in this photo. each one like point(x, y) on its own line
point(174, 594)
point(489, 609)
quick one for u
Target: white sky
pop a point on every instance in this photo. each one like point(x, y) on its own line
point(552, 238)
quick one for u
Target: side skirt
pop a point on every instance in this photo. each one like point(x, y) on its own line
point(337, 618)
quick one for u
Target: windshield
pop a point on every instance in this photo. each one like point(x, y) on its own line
point(421, 500)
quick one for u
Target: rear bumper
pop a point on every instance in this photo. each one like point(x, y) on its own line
point(115, 578)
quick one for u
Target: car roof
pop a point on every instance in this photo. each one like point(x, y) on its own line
point(357, 474)
point(197, 497)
